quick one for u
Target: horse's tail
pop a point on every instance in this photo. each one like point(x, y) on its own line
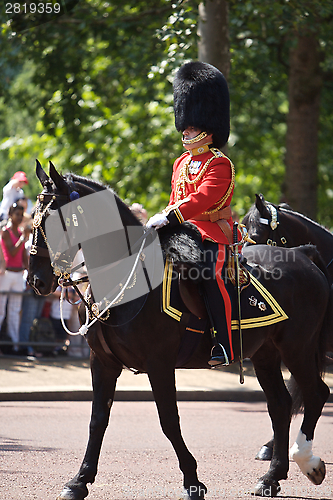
point(325, 338)
point(326, 332)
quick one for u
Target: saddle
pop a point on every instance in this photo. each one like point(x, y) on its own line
point(182, 298)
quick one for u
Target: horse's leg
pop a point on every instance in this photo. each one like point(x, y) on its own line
point(266, 451)
point(315, 394)
point(267, 364)
point(162, 380)
point(104, 384)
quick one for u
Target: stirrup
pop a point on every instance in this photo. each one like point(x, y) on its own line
point(220, 358)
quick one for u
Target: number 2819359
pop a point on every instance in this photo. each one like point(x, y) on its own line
point(32, 8)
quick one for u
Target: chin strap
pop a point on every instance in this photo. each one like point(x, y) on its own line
point(195, 139)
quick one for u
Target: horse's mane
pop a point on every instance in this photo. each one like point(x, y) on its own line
point(285, 208)
point(95, 185)
point(183, 244)
point(98, 186)
point(303, 217)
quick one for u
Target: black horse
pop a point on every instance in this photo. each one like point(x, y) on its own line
point(279, 225)
point(150, 343)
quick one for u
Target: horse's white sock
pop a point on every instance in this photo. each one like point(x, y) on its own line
point(301, 453)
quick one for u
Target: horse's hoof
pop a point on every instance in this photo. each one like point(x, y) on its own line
point(73, 494)
point(317, 476)
point(194, 492)
point(265, 453)
point(66, 494)
point(267, 489)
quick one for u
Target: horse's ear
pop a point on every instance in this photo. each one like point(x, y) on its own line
point(58, 180)
point(260, 204)
point(42, 176)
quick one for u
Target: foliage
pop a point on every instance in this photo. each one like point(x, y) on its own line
point(104, 91)
point(261, 34)
point(92, 92)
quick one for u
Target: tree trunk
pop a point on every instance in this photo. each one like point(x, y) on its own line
point(305, 83)
point(213, 31)
point(213, 34)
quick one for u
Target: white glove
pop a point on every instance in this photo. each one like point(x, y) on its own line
point(157, 221)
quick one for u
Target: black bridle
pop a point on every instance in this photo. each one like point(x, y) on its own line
point(273, 223)
point(42, 210)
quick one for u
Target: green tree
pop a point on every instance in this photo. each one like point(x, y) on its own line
point(281, 100)
point(92, 91)
point(103, 77)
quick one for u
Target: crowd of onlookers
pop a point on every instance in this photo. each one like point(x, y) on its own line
point(24, 315)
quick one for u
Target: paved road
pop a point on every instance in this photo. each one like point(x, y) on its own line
point(69, 379)
point(42, 445)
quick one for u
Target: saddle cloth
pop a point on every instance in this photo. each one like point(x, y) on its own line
point(258, 308)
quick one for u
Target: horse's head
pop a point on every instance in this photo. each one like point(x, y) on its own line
point(266, 223)
point(60, 226)
point(258, 231)
point(44, 266)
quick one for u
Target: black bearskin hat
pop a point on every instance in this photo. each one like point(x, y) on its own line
point(201, 100)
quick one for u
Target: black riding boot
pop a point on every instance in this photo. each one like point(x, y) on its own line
point(221, 352)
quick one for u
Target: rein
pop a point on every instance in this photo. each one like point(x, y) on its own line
point(274, 226)
point(83, 330)
point(330, 262)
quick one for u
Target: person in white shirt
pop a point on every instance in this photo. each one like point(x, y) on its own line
point(12, 191)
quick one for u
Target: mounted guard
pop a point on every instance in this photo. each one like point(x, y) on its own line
point(202, 186)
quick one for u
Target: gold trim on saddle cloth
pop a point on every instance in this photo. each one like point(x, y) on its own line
point(277, 315)
point(166, 292)
point(191, 322)
point(264, 300)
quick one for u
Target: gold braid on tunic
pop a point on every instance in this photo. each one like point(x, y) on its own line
point(183, 179)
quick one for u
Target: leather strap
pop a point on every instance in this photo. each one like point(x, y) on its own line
point(225, 213)
point(221, 218)
point(224, 226)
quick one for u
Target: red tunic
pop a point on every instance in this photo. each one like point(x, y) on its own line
point(201, 184)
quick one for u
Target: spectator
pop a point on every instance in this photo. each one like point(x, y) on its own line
point(12, 192)
point(15, 257)
point(32, 307)
point(2, 262)
point(26, 210)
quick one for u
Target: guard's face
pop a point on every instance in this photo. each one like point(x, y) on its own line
point(192, 133)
